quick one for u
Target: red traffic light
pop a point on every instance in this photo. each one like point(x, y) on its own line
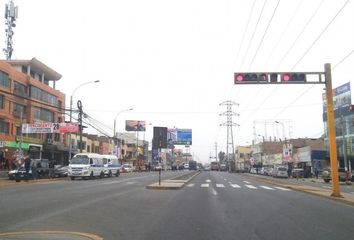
point(293, 77)
point(239, 77)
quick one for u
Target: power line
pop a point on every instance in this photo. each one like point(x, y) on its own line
point(264, 34)
point(254, 31)
point(300, 34)
point(320, 35)
point(343, 59)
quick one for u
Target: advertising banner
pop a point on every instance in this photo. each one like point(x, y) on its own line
point(341, 97)
point(135, 126)
point(48, 127)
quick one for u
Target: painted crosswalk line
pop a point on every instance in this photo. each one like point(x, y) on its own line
point(190, 185)
point(283, 189)
point(268, 188)
point(205, 185)
point(247, 182)
point(251, 186)
point(220, 185)
point(235, 186)
point(208, 180)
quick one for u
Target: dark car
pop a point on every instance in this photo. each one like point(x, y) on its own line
point(20, 174)
point(298, 173)
point(326, 175)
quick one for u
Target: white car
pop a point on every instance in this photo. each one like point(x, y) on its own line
point(186, 166)
point(127, 168)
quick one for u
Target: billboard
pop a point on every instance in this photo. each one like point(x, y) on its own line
point(181, 136)
point(48, 127)
point(341, 101)
point(135, 126)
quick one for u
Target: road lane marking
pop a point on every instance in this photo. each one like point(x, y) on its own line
point(205, 185)
point(251, 187)
point(190, 185)
point(283, 189)
point(225, 179)
point(247, 182)
point(268, 188)
point(214, 191)
point(208, 180)
point(235, 186)
point(220, 185)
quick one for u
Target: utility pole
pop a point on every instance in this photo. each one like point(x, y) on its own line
point(79, 106)
point(229, 124)
point(216, 151)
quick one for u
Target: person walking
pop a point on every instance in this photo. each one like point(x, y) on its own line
point(27, 161)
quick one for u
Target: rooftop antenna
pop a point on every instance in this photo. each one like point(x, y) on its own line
point(11, 13)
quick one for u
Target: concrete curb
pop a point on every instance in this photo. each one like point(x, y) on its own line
point(171, 184)
point(49, 235)
point(307, 189)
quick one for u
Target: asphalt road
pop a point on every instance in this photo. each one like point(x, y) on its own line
point(212, 206)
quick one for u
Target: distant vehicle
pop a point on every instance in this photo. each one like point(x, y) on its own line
point(127, 168)
point(214, 166)
point(206, 167)
point(223, 167)
point(326, 175)
point(186, 166)
point(192, 165)
point(280, 171)
point(86, 165)
point(298, 173)
point(111, 165)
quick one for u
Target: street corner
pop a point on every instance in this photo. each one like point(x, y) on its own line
point(58, 235)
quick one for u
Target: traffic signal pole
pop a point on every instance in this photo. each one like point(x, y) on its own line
point(331, 133)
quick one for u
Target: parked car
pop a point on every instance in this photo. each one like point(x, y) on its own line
point(223, 167)
point(127, 168)
point(186, 166)
point(60, 171)
point(298, 173)
point(326, 175)
point(280, 171)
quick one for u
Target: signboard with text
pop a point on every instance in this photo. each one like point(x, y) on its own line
point(48, 127)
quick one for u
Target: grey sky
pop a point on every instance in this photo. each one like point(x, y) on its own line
point(173, 61)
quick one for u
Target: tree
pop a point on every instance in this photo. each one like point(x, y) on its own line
point(221, 156)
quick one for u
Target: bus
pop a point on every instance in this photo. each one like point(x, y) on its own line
point(86, 165)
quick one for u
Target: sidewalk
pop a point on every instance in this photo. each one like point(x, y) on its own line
point(346, 198)
point(174, 183)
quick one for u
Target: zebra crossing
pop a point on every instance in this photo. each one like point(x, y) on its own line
point(245, 185)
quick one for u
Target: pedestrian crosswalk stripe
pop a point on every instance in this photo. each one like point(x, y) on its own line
point(268, 188)
point(251, 186)
point(208, 180)
point(220, 185)
point(235, 186)
point(190, 185)
point(205, 185)
point(246, 182)
point(283, 189)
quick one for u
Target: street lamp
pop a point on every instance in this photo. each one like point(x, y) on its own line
point(71, 109)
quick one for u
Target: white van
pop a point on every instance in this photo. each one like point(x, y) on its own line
point(111, 165)
point(86, 165)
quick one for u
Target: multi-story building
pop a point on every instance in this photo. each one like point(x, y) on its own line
point(28, 95)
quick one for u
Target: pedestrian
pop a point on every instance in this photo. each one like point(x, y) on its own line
point(27, 161)
point(316, 173)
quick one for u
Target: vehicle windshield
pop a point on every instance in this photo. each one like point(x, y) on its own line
point(80, 160)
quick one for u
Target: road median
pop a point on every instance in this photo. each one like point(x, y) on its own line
point(175, 183)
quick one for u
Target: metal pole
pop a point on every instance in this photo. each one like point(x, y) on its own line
point(344, 145)
point(331, 132)
point(71, 112)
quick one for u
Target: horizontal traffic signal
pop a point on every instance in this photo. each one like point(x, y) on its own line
point(275, 77)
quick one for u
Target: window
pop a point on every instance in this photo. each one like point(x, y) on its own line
point(4, 127)
point(43, 96)
point(18, 109)
point(24, 69)
point(2, 101)
point(4, 79)
point(20, 89)
point(42, 114)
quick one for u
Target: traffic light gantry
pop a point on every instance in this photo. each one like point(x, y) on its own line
point(278, 78)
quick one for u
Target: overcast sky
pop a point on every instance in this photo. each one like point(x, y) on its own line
point(174, 61)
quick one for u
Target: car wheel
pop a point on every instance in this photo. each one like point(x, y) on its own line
point(117, 173)
point(91, 176)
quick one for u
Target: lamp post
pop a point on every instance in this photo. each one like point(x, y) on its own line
point(71, 110)
point(114, 126)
